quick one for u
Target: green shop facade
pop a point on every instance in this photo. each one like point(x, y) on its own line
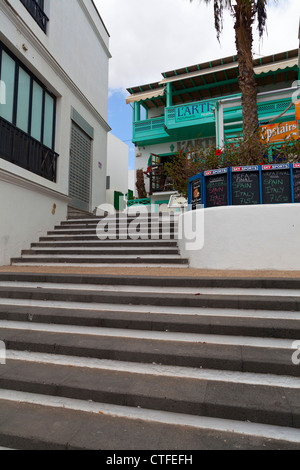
point(201, 105)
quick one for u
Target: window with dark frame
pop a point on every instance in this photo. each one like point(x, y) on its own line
point(27, 118)
point(36, 9)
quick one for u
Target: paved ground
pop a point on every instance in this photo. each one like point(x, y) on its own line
point(139, 271)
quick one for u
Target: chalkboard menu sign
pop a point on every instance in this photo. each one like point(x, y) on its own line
point(296, 179)
point(245, 186)
point(196, 193)
point(276, 184)
point(216, 188)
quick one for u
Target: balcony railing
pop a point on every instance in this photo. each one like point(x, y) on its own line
point(139, 202)
point(19, 148)
point(37, 13)
point(149, 129)
point(179, 123)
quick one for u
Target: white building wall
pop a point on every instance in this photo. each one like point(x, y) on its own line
point(132, 181)
point(117, 167)
point(27, 212)
point(156, 112)
point(259, 237)
point(84, 55)
point(72, 61)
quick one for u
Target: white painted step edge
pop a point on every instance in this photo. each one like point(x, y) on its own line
point(154, 289)
point(196, 338)
point(158, 370)
point(204, 423)
point(137, 309)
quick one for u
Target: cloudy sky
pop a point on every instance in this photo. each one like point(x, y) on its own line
point(148, 37)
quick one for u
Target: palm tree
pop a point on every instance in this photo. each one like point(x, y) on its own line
point(245, 12)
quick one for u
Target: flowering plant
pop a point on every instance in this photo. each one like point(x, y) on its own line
point(198, 159)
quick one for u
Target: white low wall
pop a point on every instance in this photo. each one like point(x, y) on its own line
point(27, 212)
point(262, 237)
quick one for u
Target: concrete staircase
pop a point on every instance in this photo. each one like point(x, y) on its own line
point(145, 241)
point(131, 363)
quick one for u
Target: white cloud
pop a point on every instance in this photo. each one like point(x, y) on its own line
point(149, 37)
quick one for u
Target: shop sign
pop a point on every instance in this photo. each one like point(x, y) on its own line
point(195, 111)
point(297, 110)
point(273, 133)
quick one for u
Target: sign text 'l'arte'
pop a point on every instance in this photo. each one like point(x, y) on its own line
point(195, 111)
point(273, 133)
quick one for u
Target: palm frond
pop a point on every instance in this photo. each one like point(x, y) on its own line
point(259, 8)
point(261, 12)
point(219, 6)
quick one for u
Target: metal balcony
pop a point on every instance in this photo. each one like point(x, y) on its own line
point(19, 148)
point(37, 13)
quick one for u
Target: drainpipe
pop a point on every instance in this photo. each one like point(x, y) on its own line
point(219, 124)
point(216, 113)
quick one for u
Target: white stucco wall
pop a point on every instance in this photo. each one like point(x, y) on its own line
point(132, 181)
point(260, 237)
point(84, 55)
point(117, 167)
point(27, 212)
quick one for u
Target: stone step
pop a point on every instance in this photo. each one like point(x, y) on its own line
point(126, 244)
point(257, 398)
point(204, 321)
point(122, 218)
point(102, 260)
point(36, 422)
point(255, 302)
point(120, 221)
point(262, 283)
point(143, 234)
point(193, 362)
point(143, 238)
point(116, 223)
point(91, 231)
point(100, 251)
point(168, 290)
point(74, 212)
point(247, 354)
point(124, 255)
